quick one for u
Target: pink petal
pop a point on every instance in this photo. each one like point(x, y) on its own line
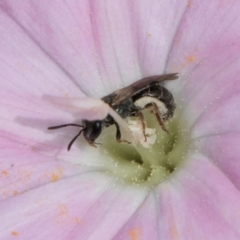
point(46, 198)
point(205, 50)
point(189, 205)
point(224, 151)
point(209, 91)
point(210, 100)
point(200, 203)
point(24, 169)
point(209, 95)
point(27, 73)
point(143, 223)
point(199, 38)
point(101, 45)
point(70, 49)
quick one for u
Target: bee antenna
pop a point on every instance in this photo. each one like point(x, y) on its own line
point(73, 140)
point(65, 125)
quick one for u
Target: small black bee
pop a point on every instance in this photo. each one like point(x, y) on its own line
point(147, 93)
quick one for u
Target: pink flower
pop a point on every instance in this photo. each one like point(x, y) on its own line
point(74, 49)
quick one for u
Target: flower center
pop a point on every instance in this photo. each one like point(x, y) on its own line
point(146, 166)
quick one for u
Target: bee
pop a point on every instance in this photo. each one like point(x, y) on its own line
point(130, 101)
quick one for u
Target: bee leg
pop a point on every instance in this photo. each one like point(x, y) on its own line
point(92, 144)
point(141, 117)
point(158, 117)
point(118, 135)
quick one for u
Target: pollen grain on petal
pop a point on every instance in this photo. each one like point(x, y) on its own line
point(4, 172)
point(33, 149)
point(15, 193)
point(63, 210)
point(14, 233)
point(79, 221)
point(189, 3)
point(134, 233)
point(173, 232)
point(55, 177)
point(190, 59)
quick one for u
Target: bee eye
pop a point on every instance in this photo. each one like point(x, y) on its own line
point(97, 125)
point(96, 130)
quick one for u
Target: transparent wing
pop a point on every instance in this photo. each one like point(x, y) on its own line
point(129, 91)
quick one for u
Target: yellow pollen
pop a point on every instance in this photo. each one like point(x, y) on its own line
point(55, 177)
point(5, 172)
point(135, 233)
point(14, 233)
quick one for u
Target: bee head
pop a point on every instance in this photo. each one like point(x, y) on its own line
point(92, 130)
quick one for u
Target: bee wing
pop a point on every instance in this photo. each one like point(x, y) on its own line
point(127, 92)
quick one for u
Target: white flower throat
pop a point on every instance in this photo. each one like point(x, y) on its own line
point(145, 163)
